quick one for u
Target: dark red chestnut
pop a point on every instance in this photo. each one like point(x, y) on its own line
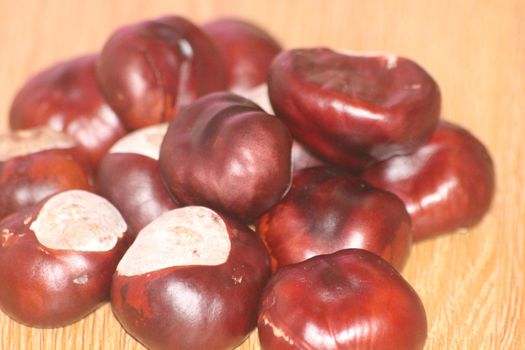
point(36, 163)
point(65, 97)
point(149, 70)
point(354, 110)
point(247, 49)
point(191, 280)
point(224, 152)
point(351, 299)
point(129, 177)
point(446, 185)
point(327, 210)
point(57, 258)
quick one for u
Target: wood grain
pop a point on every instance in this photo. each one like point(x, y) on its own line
point(472, 284)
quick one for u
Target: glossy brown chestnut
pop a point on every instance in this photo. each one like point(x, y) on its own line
point(66, 97)
point(447, 185)
point(191, 280)
point(129, 177)
point(247, 49)
point(224, 152)
point(327, 210)
point(149, 70)
point(57, 258)
point(351, 299)
point(36, 163)
point(352, 109)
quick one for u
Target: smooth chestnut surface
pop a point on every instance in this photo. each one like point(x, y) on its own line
point(129, 177)
point(351, 299)
point(327, 210)
point(57, 258)
point(248, 50)
point(224, 152)
point(191, 280)
point(149, 70)
point(36, 163)
point(66, 97)
point(354, 109)
point(446, 185)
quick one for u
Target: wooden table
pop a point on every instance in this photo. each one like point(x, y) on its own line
point(472, 284)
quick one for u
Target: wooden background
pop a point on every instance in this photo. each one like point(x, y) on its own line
point(472, 284)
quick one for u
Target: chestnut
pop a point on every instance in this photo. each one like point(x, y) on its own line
point(352, 109)
point(129, 177)
point(191, 280)
point(149, 70)
point(57, 258)
point(224, 152)
point(351, 299)
point(447, 185)
point(66, 97)
point(247, 49)
point(327, 210)
point(36, 163)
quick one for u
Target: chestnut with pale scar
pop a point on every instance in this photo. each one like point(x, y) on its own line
point(191, 280)
point(65, 250)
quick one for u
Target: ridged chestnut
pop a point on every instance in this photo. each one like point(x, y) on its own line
point(225, 153)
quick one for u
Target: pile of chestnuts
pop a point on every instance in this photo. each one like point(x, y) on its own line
point(206, 181)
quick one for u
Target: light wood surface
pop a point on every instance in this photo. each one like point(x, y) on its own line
point(472, 284)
